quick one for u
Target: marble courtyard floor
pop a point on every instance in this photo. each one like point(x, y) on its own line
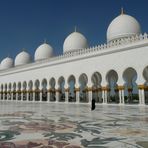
point(54, 125)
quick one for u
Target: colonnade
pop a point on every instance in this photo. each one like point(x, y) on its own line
point(80, 89)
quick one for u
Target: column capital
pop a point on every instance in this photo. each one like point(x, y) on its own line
point(141, 86)
point(105, 88)
point(120, 87)
point(77, 89)
point(66, 89)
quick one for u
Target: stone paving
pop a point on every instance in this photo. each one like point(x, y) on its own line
point(59, 125)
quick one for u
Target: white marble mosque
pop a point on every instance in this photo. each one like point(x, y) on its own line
point(46, 102)
point(113, 72)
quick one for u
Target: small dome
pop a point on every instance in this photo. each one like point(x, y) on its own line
point(75, 41)
point(123, 26)
point(7, 63)
point(44, 51)
point(22, 58)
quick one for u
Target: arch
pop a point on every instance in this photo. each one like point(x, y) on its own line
point(145, 75)
point(52, 83)
point(61, 83)
point(112, 87)
point(83, 80)
point(44, 90)
point(30, 90)
point(96, 79)
point(71, 88)
point(131, 88)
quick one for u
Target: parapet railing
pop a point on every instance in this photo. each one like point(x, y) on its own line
point(115, 43)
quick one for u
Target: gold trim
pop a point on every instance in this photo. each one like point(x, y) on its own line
point(120, 87)
point(89, 89)
point(141, 86)
point(77, 89)
point(66, 89)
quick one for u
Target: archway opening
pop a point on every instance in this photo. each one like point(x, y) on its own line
point(52, 89)
point(2, 91)
point(9, 91)
point(112, 87)
point(30, 91)
point(83, 80)
point(5, 96)
point(131, 88)
point(37, 90)
point(19, 90)
point(24, 91)
point(14, 91)
point(71, 88)
point(145, 75)
point(44, 90)
point(61, 83)
point(96, 88)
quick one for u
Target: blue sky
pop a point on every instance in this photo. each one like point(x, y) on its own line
point(26, 23)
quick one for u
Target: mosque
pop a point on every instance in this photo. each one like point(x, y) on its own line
point(115, 72)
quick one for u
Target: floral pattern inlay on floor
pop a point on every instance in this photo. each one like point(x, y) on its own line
point(42, 125)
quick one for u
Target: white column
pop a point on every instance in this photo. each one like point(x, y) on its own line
point(104, 96)
point(105, 93)
point(40, 95)
point(3, 95)
point(48, 95)
point(22, 95)
point(48, 92)
point(7, 95)
point(27, 95)
point(66, 95)
point(33, 94)
point(57, 95)
point(77, 95)
point(90, 95)
point(142, 96)
point(122, 94)
point(11, 95)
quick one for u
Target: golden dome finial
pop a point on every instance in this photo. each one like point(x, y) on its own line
point(122, 10)
point(75, 28)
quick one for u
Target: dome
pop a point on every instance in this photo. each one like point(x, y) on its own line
point(7, 63)
point(75, 41)
point(123, 26)
point(44, 51)
point(22, 58)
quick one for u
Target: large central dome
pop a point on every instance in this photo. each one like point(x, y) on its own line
point(123, 26)
point(75, 41)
